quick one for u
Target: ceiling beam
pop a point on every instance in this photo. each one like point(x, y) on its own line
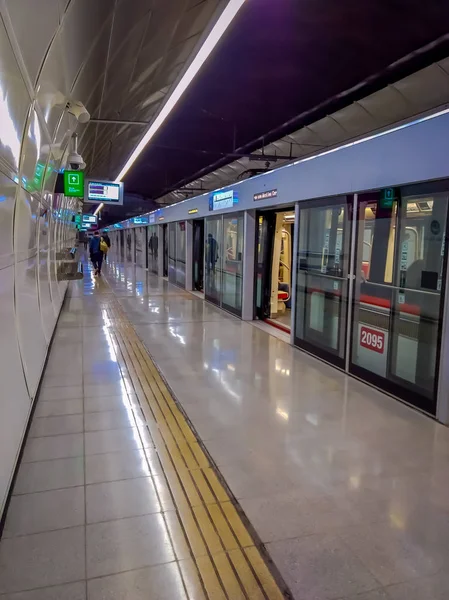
point(118, 122)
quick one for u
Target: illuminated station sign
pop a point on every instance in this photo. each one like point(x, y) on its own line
point(223, 200)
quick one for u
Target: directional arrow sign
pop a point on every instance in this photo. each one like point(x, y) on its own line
point(74, 184)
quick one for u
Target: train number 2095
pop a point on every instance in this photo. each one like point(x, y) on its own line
point(372, 339)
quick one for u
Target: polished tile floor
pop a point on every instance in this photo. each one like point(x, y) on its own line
point(347, 488)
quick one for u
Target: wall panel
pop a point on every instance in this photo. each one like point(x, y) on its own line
point(35, 223)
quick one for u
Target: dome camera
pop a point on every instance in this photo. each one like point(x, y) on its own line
point(76, 162)
point(79, 111)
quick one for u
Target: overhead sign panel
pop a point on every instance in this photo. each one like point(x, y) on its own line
point(74, 184)
point(266, 195)
point(223, 200)
point(107, 192)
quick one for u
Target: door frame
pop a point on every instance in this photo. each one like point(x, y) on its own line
point(263, 313)
point(198, 223)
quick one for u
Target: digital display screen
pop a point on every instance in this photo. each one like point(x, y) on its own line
point(106, 192)
point(90, 219)
point(103, 191)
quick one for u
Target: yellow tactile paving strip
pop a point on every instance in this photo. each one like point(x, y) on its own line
point(226, 564)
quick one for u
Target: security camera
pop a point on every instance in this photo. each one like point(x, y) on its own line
point(76, 162)
point(79, 111)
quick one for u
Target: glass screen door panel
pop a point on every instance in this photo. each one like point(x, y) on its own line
point(322, 279)
point(399, 292)
point(213, 257)
point(153, 249)
point(232, 263)
point(172, 252)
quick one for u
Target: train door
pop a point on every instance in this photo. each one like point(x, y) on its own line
point(274, 261)
point(264, 243)
point(322, 278)
point(400, 262)
point(198, 255)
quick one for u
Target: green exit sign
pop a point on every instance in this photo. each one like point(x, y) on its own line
point(74, 184)
point(387, 197)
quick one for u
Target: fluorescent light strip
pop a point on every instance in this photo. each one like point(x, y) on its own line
point(99, 207)
point(212, 40)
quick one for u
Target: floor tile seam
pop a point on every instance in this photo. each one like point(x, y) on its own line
point(41, 492)
point(205, 506)
point(40, 532)
point(43, 401)
point(48, 460)
point(58, 435)
point(68, 487)
point(135, 570)
point(53, 435)
point(45, 587)
point(150, 513)
point(125, 571)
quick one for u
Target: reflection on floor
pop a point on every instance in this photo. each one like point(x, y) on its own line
point(347, 488)
point(114, 497)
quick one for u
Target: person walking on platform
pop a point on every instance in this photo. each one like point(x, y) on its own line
point(96, 252)
point(107, 241)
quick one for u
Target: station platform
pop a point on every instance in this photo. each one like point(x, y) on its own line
point(176, 452)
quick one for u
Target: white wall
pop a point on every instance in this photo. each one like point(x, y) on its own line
point(35, 223)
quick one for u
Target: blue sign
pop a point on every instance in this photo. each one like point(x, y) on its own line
point(223, 200)
point(118, 226)
point(140, 220)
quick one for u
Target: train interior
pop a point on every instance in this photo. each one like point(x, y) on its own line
point(275, 268)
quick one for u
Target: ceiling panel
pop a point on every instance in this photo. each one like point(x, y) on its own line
point(35, 23)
